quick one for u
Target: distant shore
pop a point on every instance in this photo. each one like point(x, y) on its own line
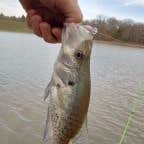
point(134, 45)
point(21, 27)
point(13, 26)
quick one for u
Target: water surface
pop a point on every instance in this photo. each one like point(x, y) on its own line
point(26, 64)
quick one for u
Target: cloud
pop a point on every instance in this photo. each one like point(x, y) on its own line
point(11, 8)
point(91, 9)
point(134, 2)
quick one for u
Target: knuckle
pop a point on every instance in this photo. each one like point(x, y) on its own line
point(33, 18)
point(36, 19)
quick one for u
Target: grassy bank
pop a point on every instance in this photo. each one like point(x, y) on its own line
point(20, 26)
point(13, 26)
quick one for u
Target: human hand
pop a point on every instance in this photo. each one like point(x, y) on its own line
point(46, 17)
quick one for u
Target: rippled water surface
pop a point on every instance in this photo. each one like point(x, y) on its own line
point(26, 64)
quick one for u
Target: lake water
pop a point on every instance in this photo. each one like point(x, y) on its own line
point(26, 64)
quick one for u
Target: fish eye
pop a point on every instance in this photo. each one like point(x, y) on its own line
point(71, 83)
point(79, 55)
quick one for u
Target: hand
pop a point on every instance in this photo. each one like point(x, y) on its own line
point(46, 17)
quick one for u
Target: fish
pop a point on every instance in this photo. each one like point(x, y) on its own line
point(68, 92)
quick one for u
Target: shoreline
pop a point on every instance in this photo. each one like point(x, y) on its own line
point(19, 31)
point(119, 43)
point(134, 45)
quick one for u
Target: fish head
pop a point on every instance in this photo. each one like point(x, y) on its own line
point(76, 45)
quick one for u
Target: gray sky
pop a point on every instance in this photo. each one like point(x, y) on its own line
point(122, 9)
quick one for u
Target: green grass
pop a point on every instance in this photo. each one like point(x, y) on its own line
point(13, 26)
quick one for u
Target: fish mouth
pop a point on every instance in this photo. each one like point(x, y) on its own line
point(70, 32)
point(74, 33)
point(65, 32)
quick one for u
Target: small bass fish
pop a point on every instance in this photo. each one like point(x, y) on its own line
point(68, 92)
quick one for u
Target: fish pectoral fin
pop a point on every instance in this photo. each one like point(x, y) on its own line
point(48, 90)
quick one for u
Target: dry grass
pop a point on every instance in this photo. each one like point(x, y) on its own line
point(14, 26)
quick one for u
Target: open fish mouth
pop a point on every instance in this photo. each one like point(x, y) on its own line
point(71, 30)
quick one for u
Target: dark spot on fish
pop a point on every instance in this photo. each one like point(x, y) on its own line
point(58, 85)
point(71, 83)
point(79, 55)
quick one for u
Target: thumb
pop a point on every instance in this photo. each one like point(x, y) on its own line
point(48, 3)
point(72, 12)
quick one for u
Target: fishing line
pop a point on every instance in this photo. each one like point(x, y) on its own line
point(108, 36)
point(136, 102)
point(95, 33)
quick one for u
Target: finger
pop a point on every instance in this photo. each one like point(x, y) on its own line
point(57, 33)
point(30, 4)
point(48, 3)
point(75, 17)
point(71, 11)
point(78, 13)
point(35, 22)
point(46, 33)
point(30, 13)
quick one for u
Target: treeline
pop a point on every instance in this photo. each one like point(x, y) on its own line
point(13, 24)
point(13, 18)
point(108, 28)
point(122, 30)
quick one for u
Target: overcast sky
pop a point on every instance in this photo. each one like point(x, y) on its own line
point(122, 9)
